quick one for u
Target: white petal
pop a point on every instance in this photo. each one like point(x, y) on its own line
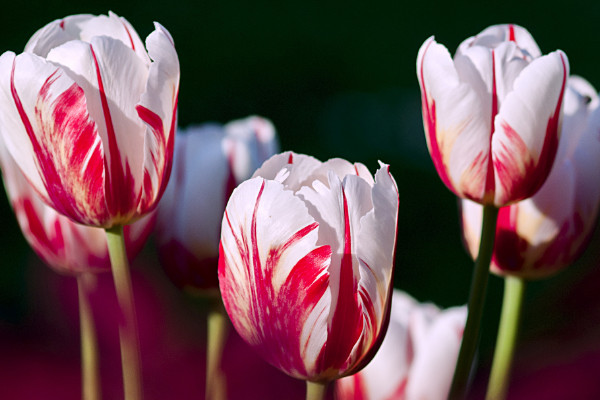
point(460, 144)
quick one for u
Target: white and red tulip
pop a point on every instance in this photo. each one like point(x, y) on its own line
point(306, 260)
point(66, 246)
point(209, 162)
point(417, 358)
point(492, 115)
point(89, 116)
point(541, 235)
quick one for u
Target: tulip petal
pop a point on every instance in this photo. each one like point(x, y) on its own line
point(457, 122)
point(495, 35)
point(114, 27)
point(269, 250)
point(527, 129)
point(295, 178)
point(52, 137)
point(375, 245)
point(56, 33)
point(157, 108)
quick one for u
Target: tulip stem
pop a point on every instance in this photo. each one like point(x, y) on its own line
point(217, 335)
point(514, 290)
point(90, 377)
point(128, 332)
point(316, 390)
point(479, 282)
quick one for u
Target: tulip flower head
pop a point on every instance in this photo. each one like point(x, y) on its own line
point(541, 235)
point(492, 115)
point(422, 341)
point(89, 116)
point(305, 263)
point(65, 246)
point(209, 162)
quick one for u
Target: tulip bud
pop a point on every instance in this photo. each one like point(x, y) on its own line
point(492, 115)
point(422, 341)
point(305, 263)
point(89, 116)
point(541, 235)
point(209, 162)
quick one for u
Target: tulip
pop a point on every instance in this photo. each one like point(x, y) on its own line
point(305, 263)
point(541, 235)
point(422, 341)
point(209, 162)
point(89, 116)
point(492, 116)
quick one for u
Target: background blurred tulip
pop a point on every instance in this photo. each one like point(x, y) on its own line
point(492, 115)
point(305, 265)
point(209, 162)
point(539, 236)
point(422, 341)
point(89, 116)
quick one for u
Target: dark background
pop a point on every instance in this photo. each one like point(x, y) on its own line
point(338, 80)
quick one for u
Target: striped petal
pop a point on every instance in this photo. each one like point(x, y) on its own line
point(527, 129)
point(269, 250)
point(47, 129)
point(456, 119)
point(157, 108)
point(113, 79)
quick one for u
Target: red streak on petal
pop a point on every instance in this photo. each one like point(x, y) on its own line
point(162, 158)
point(489, 181)
point(359, 387)
point(400, 392)
point(62, 24)
point(509, 247)
point(429, 122)
point(511, 33)
point(119, 188)
point(65, 122)
point(129, 34)
point(346, 325)
point(290, 159)
point(521, 185)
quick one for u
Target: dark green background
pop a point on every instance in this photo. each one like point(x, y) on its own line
point(338, 80)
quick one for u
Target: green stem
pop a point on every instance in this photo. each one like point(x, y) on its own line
point(476, 302)
point(90, 378)
point(217, 335)
point(316, 390)
point(128, 332)
point(514, 290)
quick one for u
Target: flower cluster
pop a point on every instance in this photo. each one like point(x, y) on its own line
point(298, 254)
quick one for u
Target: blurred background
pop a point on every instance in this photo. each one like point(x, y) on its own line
point(338, 80)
